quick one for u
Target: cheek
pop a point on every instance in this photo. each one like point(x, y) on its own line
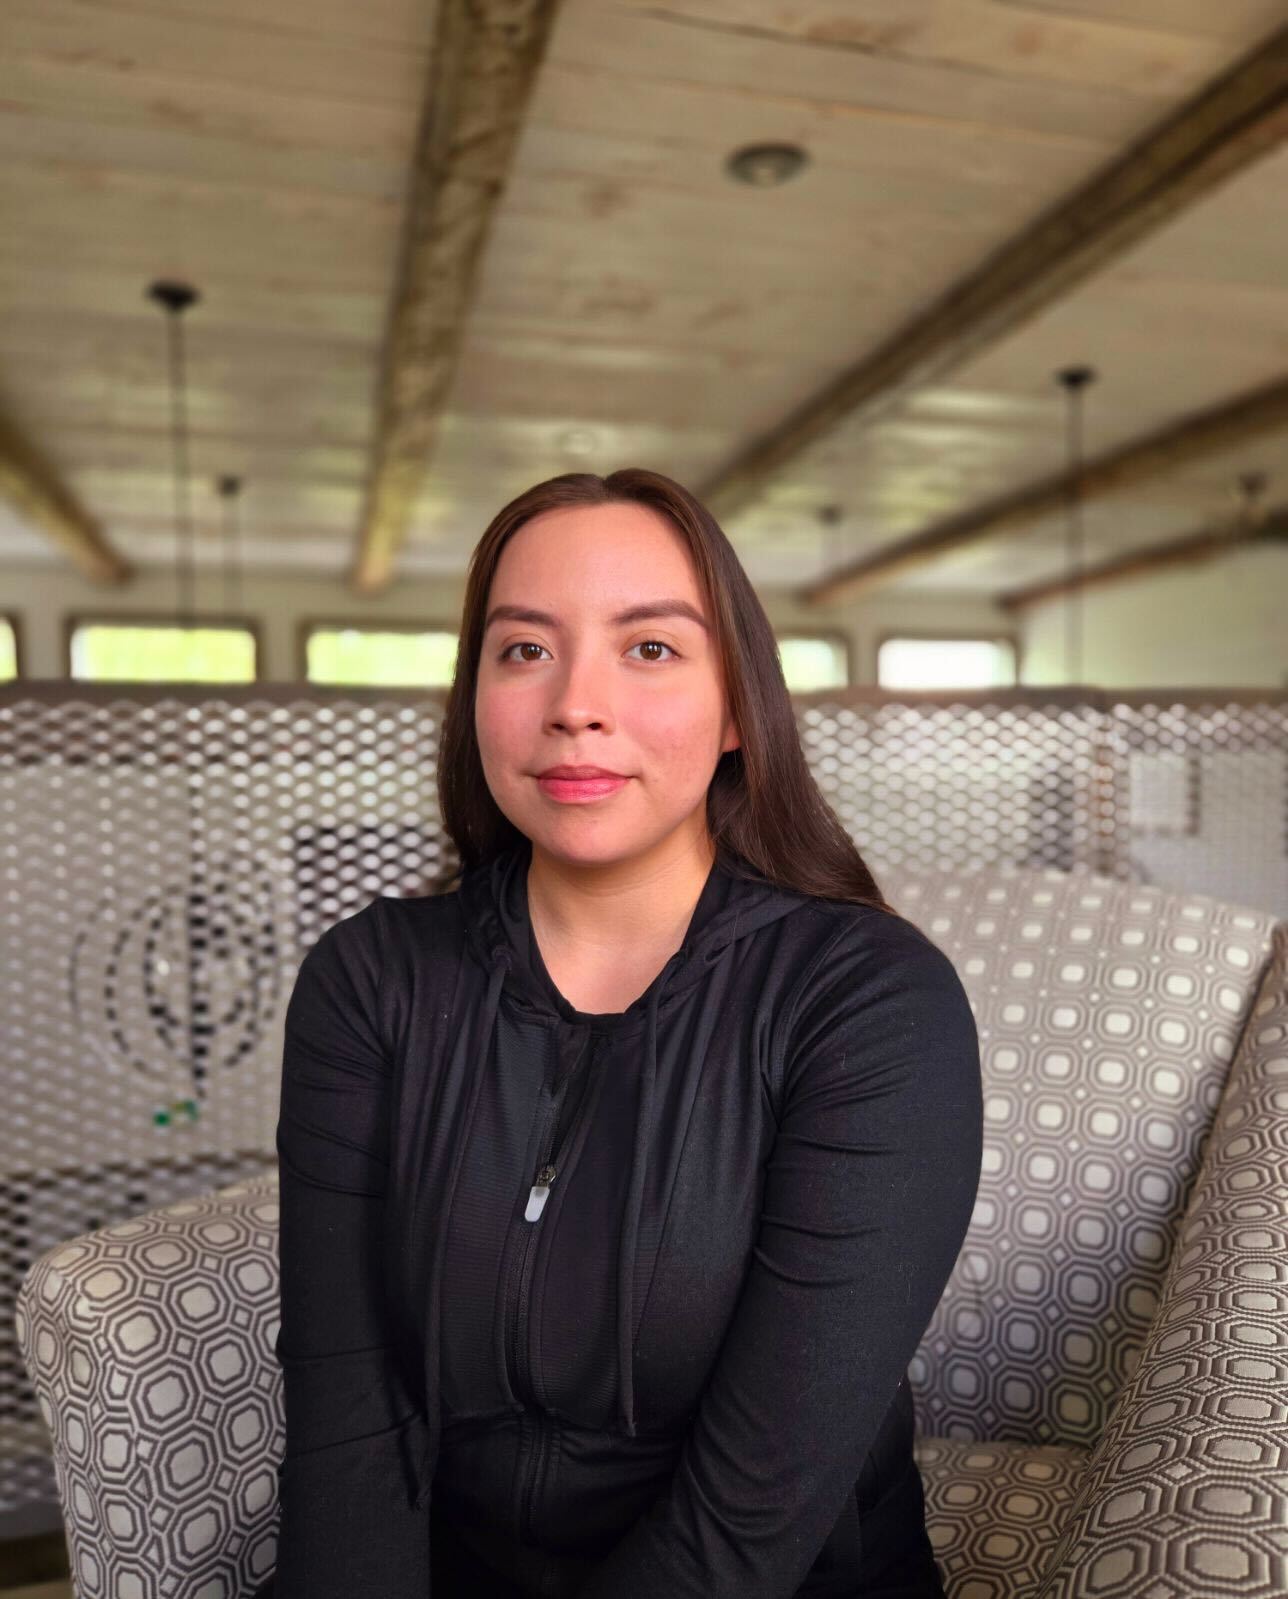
point(675, 733)
point(502, 723)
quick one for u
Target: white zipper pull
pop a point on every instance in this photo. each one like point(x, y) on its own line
point(539, 1192)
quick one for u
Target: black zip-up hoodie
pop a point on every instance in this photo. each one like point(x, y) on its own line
point(617, 1305)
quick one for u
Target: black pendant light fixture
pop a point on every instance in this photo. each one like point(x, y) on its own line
point(1074, 381)
point(175, 299)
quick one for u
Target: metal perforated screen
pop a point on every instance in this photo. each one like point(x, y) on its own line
point(169, 855)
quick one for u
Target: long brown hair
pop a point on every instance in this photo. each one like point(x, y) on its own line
point(766, 815)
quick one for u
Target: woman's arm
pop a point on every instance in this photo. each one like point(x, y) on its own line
point(352, 1429)
point(868, 1193)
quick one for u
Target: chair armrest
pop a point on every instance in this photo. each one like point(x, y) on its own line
point(1185, 1492)
point(151, 1348)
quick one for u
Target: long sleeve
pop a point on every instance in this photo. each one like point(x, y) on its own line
point(868, 1193)
point(346, 1527)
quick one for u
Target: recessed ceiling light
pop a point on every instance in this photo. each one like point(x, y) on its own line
point(765, 165)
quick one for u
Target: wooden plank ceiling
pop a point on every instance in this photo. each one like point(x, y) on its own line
point(627, 303)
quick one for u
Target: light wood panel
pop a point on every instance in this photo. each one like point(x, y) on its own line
point(1132, 519)
point(1246, 417)
point(1193, 549)
point(1235, 19)
point(1165, 342)
point(1229, 125)
point(628, 290)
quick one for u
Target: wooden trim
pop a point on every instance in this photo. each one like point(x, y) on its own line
point(485, 58)
point(1191, 549)
point(1209, 432)
point(1231, 123)
point(74, 619)
point(38, 495)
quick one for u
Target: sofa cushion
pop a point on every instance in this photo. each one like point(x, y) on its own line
point(1186, 1492)
point(1108, 1014)
point(993, 1511)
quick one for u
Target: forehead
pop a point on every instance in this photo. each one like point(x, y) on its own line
point(580, 563)
point(608, 546)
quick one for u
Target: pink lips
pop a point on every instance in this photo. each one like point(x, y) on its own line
point(580, 788)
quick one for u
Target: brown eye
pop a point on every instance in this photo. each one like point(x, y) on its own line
point(649, 642)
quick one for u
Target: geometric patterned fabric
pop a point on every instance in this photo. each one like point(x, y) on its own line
point(1108, 1014)
point(1101, 1392)
point(993, 1511)
point(150, 1345)
point(1186, 1491)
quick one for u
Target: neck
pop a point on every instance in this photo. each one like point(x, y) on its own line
point(620, 907)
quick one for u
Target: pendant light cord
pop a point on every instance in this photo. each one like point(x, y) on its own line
point(229, 490)
point(1074, 380)
point(176, 298)
point(182, 505)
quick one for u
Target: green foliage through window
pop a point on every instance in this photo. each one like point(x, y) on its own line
point(946, 663)
point(133, 652)
point(813, 663)
point(394, 658)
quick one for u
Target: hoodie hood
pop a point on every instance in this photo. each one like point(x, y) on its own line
point(493, 901)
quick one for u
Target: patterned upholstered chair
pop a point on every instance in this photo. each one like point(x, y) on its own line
point(1101, 1393)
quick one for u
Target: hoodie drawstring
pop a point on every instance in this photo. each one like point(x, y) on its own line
point(502, 956)
point(634, 1207)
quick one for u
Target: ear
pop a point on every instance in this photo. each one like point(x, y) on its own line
point(732, 740)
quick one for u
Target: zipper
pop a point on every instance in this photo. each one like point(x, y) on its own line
point(569, 1098)
point(562, 1119)
point(547, 1169)
point(536, 1471)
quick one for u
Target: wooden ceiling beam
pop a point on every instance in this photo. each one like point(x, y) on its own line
point(31, 485)
point(1228, 125)
point(1224, 427)
point(1192, 549)
point(485, 59)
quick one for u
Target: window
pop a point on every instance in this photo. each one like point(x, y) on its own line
point(8, 649)
point(393, 655)
point(140, 651)
point(813, 661)
point(946, 663)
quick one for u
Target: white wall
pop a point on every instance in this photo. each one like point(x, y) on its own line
point(1221, 624)
point(42, 595)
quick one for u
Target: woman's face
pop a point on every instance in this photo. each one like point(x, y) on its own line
point(566, 679)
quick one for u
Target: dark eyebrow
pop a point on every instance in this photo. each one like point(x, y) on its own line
point(647, 612)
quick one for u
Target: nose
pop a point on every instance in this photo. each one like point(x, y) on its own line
point(579, 697)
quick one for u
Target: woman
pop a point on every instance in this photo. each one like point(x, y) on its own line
point(619, 1183)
